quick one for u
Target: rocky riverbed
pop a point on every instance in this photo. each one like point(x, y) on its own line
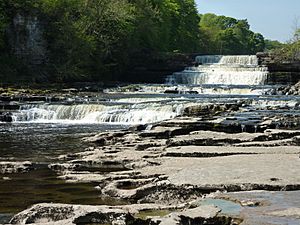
point(221, 160)
point(176, 173)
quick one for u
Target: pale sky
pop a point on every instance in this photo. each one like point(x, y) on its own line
point(275, 19)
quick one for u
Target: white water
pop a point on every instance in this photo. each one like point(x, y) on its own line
point(228, 70)
point(214, 90)
point(183, 89)
point(92, 113)
point(249, 60)
point(139, 109)
point(208, 59)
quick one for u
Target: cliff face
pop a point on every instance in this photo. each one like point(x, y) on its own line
point(26, 39)
point(154, 68)
point(280, 72)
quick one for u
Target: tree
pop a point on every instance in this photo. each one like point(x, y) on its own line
point(226, 35)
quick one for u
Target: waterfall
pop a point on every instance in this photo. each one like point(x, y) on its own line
point(228, 70)
point(97, 113)
point(208, 59)
point(250, 60)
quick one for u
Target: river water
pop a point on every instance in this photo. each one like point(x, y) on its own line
point(42, 131)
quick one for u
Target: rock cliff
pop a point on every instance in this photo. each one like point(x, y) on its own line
point(26, 37)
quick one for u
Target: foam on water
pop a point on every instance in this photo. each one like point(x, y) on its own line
point(97, 113)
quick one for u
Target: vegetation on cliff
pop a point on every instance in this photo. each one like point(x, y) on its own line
point(289, 52)
point(96, 39)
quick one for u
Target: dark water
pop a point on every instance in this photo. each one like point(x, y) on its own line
point(44, 142)
point(41, 144)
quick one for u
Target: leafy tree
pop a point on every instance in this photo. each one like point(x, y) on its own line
point(273, 45)
point(97, 39)
point(226, 35)
point(166, 25)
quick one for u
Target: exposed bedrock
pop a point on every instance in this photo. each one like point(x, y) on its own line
point(6, 117)
point(232, 173)
point(209, 138)
point(254, 207)
point(288, 90)
point(15, 167)
point(171, 170)
point(120, 215)
point(208, 109)
point(151, 166)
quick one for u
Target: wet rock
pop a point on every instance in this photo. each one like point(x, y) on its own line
point(70, 90)
point(48, 214)
point(288, 90)
point(210, 109)
point(199, 215)
point(70, 214)
point(119, 215)
point(164, 132)
point(209, 161)
point(82, 177)
point(201, 212)
point(130, 188)
point(15, 167)
point(6, 117)
point(213, 151)
point(106, 138)
point(210, 138)
point(181, 92)
point(285, 142)
point(172, 92)
point(6, 108)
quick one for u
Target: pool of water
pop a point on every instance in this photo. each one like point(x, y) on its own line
point(44, 142)
point(41, 144)
point(42, 186)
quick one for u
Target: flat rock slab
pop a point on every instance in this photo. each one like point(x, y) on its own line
point(119, 215)
point(221, 138)
point(239, 172)
point(208, 211)
point(214, 151)
point(200, 137)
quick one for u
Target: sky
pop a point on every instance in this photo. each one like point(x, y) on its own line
point(275, 19)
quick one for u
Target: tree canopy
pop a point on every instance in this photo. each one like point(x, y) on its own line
point(226, 35)
point(96, 39)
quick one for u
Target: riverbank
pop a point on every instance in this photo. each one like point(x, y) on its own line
point(185, 174)
point(206, 166)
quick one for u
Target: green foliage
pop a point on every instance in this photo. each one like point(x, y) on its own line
point(3, 24)
point(292, 49)
point(288, 52)
point(166, 25)
point(96, 39)
point(272, 45)
point(226, 35)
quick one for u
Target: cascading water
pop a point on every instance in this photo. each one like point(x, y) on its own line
point(243, 60)
point(96, 113)
point(226, 70)
point(208, 59)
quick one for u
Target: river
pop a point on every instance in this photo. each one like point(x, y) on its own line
point(42, 131)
